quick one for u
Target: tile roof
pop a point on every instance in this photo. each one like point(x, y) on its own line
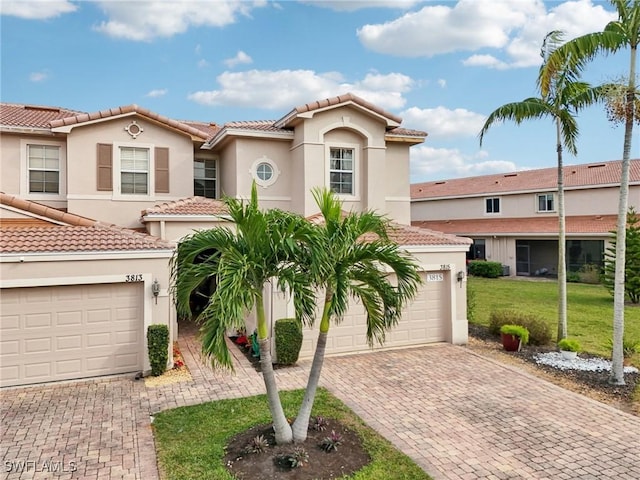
point(189, 206)
point(209, 129)
point(580, 224)
point(32, 116)
point(406, 235)
point(79, 234)
point(576, 176)
point(329, 102)
point(112, 112)
point(258, 125)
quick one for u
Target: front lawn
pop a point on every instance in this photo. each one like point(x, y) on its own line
point(589, 308)
point(190, 441)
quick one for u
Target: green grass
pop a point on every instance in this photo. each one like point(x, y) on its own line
point(190, 440)
point(589, 308)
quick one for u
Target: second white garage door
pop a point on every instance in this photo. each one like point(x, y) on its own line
point(423, 321)
point(68, 332)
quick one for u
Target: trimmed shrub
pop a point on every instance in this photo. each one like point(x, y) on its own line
point(539, 330)
point(482, 268)
point(158, 347)
point(288, 336)
point(569, 345)
point(516, 331)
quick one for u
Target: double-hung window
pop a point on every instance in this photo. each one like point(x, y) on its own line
point(204, 177)
point(44, 168)
point(341, 170)
point(492, 205)
point(134, 170)
point(545, 202)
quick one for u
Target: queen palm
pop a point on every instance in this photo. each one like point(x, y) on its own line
point(356, 262)
point(573, 56)
point(564, 98)
point(263, 247)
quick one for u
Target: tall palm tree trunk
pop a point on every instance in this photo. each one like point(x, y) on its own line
point(562, 243)
point(281, 426)
point(301, 424)
point(617, 357)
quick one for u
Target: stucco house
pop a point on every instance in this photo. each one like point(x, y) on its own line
point(93, 204)
point(513, 218)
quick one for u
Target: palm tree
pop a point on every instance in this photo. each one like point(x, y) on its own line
point(564, 98)
point(264, 246)
point(574, 56)
point(357, 261)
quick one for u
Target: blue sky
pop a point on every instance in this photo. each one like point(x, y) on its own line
point(441, 66)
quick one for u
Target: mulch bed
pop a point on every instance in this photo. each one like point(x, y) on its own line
point(271, 464)
point(597, 381)
point(255, 361)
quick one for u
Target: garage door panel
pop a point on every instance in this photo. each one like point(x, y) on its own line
point(83, 331)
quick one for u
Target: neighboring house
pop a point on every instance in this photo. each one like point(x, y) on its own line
point(513, 218)
point(156, 180)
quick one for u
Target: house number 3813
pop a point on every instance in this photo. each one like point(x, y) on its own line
point(134, 277)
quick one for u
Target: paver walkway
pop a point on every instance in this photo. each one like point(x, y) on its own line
point(458, 415)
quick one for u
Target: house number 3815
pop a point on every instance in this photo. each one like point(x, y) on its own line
point(134, 277)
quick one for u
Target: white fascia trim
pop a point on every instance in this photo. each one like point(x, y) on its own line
point(240, 132)
point(26, 130)
point(83, 256)
point(534, 236)
point(109, 196)
point(397, 199)
point(435, 248)
point(185, 218)
point(32, 215)
point(68, 128)
point(310, 113)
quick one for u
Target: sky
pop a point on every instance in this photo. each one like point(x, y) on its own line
point(442, 66)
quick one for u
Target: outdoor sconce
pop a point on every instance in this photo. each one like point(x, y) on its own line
point(155, 289)
point(460, 277)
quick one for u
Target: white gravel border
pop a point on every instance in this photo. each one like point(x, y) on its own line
point(555, 360)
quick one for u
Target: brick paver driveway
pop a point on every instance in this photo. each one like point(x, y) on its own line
point(460, 416)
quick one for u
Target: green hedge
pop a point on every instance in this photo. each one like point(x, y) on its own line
point(539, 330)
point(158, 346)
point(288, 336)
point(483, 268)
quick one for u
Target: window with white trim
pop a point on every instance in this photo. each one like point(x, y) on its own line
point(341, 170)
point(546, 203)
point(492, 205)
point(134, 170)
point(204, 177)
point(43, 163)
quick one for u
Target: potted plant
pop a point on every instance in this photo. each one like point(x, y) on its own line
point(513, 337)
point(569, 348)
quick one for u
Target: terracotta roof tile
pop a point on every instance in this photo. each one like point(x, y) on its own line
point(103, 114)
point(209, 129)
point(603, 173)
point(582, 224)
point(406, 132)
point(409, 235)
point(258, 125)
point(189, 206)
point(32, 116)
point(328, 102)
point(80, 234)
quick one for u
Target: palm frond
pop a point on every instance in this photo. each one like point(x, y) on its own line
point(528, 109)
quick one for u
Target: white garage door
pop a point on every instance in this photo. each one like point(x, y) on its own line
point(68, 332)
point(423, 321)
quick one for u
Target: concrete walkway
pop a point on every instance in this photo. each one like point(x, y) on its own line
point(458, 415)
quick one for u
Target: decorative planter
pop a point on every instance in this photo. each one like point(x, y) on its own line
point(567, 355)
point(511, 343)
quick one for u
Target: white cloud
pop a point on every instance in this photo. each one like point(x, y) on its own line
point(36, 9)
point(282, 89)
point(428, 163)
point(352, 5)
point(513, 29)
point(442, 83)
point(160, 92)
point(38, 76)
point(144, 21)
point(240, 58)
point(440, 122)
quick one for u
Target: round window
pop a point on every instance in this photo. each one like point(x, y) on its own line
point(264, 171)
